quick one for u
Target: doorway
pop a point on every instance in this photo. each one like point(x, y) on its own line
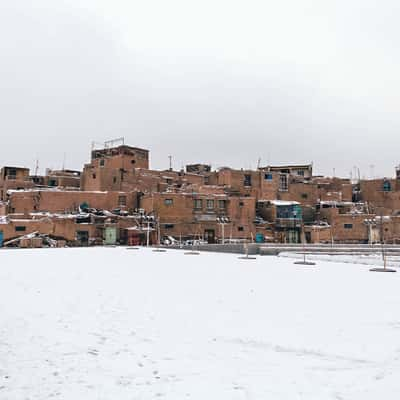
point(209, 236)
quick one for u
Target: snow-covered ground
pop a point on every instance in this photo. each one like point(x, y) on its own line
point(111, 323)
point(375, 260)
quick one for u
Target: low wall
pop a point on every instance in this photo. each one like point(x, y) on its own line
point(276, 249)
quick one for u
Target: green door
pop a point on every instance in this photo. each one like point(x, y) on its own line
point(110, 235)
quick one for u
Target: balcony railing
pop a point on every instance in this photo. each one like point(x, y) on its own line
point(288, 223)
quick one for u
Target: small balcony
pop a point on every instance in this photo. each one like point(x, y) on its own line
point(288, 223)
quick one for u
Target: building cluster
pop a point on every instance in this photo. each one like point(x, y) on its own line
point(118, 199)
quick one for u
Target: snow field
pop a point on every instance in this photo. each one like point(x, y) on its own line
point(108, 323)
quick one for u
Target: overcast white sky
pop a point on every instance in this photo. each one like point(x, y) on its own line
point(219, 81)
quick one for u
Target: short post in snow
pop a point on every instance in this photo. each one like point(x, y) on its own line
point(303, 240)
point(246, 251)
point(384, 256)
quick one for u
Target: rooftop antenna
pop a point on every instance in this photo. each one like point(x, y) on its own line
point(114, 143)
point(170, 163)
point(37, 167)
point(63, 164)
point(259, 163)
point(371, 171)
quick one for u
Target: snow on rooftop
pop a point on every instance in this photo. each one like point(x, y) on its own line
point(280, 202)
point(107, 323)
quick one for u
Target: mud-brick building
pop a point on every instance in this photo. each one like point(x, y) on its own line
point(68, 201)
point(13, 178)
point(304, 171)
point(3, 208)
point(75, 229)
point(126, 168)
point(286, 218)
point(382, 195)
point(347, 221)
point(247, 183)
point(110, 168)
point(201, 216)
point(65, 178)
point(317, 234)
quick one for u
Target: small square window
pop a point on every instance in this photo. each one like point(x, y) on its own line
point(240, 228)
point(304, 195)
point(210, 204)
point(168, 202)
point(247, 180)
point(198, 204)
point(20, 228)
point(348, 226)
point(222, 204)
point(102, 162)
point(268, 177)
point(387, 187)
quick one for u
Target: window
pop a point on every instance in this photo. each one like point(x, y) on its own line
point(114, 179)
point(300, 172)
point(304, 195)
point(52, 182)
point(241, 204)
point(268, 177)
point(240, 228)
point(20, 228)
point(168, 202)
point(133, 161)
point(210, 204)
point(198, 204)
point(102, 162)
point(94, 176)
point(247, 180)
point(387, 187)
point(222, 204)
point(283, 183)
point(122, 200)
point(169, 226)
point(348, 226)
point(12, 174)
